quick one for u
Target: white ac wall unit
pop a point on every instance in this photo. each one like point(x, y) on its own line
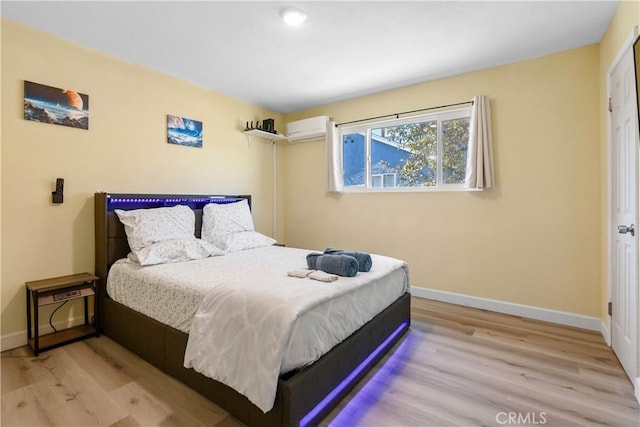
point(307, 129)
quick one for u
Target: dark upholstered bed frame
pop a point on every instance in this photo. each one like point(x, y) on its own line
point(304, 396)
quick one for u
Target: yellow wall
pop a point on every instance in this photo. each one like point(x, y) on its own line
point(124, 150)
point(534, 239)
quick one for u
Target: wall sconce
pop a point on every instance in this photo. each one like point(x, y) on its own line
point(57, 195)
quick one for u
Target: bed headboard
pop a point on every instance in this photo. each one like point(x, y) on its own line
point(110, 237)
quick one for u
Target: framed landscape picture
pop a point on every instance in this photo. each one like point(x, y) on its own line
point(47, 104)
point(183, 131)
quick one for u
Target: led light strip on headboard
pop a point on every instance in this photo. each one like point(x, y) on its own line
point(195, 202)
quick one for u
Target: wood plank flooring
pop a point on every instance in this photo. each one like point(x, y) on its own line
point(457, 366)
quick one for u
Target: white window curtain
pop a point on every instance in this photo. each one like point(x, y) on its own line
point(480, 152)
point(335, 179)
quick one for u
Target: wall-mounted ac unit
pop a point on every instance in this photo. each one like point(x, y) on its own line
point(307, 129)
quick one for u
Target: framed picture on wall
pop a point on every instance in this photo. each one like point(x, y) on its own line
point(183, 131)
point(48, 104)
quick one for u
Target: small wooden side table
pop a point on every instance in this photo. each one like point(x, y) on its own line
point(56, 290)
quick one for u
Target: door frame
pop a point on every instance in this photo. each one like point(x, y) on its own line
point(606, 328)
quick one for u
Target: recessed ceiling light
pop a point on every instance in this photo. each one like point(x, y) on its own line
point(293, 16)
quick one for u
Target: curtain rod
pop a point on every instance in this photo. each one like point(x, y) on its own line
point(396, 115)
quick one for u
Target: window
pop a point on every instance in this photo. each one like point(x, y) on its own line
point(428, 151)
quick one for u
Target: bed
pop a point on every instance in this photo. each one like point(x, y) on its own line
point(303, 397)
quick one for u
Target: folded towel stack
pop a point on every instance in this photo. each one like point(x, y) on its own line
point(364, 259)
point(299, 273)
point(322, 276)
point(342, 265)
point(313, 274)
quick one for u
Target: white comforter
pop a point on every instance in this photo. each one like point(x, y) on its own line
point(243, 326)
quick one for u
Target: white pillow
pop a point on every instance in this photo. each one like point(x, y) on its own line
point(148, 226)
point(221, 220)
point(247, 240)
point(174, 250)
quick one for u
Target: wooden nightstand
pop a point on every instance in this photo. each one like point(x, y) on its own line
point(57, 290)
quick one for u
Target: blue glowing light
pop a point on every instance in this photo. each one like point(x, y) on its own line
point(311, 415)
point(194, 202)
point(357, 411)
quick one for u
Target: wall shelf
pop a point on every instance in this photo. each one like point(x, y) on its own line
point(273, 137)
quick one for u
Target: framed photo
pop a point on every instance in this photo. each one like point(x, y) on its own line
point(183, 131)
point(47, 104)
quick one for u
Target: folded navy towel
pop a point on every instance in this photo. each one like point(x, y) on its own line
point(364, 259)
point(342, 265)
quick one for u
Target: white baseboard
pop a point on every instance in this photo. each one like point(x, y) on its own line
point(530, 312)
point(606, 333)
point(18, 339)
point(9, 341)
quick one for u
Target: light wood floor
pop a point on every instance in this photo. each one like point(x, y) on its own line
point(457, 366)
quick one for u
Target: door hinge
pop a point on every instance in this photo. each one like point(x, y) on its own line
point(610, 309)
point(610, 105)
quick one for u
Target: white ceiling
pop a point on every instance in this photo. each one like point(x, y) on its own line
point(344, 50)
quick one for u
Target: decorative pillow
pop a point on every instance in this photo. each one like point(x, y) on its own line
point(148, 226)
point(174, 250)
point(246, 240)
point(221, 220)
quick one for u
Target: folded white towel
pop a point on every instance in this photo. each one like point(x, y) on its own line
point(300, 273)
point(322, 276)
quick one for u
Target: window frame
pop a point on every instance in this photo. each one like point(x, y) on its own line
point(366, 130)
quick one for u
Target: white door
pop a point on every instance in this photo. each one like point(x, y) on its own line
point(624, 137)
